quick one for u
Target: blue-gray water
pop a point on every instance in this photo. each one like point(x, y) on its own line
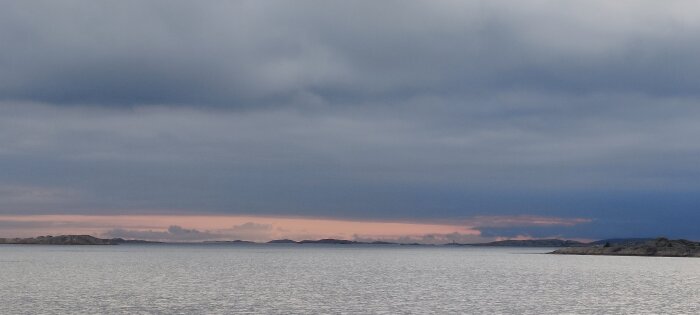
point(307, 279)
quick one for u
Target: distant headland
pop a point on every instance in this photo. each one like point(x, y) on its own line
point(69, 240)
point(661, 247)
point(59, 240)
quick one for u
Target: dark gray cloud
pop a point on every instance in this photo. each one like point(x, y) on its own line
point(387, 110)
point(277, 53)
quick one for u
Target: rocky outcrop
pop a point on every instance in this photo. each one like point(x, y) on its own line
point(59, 240)
point(621, 241)
point(662, 247)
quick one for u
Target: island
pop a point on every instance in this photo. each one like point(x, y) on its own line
point(660, 247)
point(69, 240)
point(60, 240)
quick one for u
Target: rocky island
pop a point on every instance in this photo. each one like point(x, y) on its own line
point(60, 240)
point(661, 247)
point(70, 240)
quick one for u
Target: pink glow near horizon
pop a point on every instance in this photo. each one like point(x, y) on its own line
point(257, 228)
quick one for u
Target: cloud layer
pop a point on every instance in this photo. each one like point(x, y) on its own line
point(374, 110)
point(191, 228)
point(248, 53)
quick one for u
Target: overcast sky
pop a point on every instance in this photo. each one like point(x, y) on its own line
point(411, 111)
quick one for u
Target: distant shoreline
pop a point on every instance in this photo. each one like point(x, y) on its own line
point(660, 247)
point(69, 240)
point(618, 247)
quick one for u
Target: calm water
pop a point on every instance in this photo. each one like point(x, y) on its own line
point(284, 279)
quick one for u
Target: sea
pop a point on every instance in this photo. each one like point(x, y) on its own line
point(338, 279)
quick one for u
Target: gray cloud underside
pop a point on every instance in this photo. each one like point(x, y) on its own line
point(363, 110)
point(245, 54)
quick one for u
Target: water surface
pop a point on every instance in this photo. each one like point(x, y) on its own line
point(338, 279)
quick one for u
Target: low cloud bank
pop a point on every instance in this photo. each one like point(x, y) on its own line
point(247, 231)
point(173, 233)
point(182, 228)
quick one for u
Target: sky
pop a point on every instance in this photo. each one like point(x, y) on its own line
point(429, 121)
